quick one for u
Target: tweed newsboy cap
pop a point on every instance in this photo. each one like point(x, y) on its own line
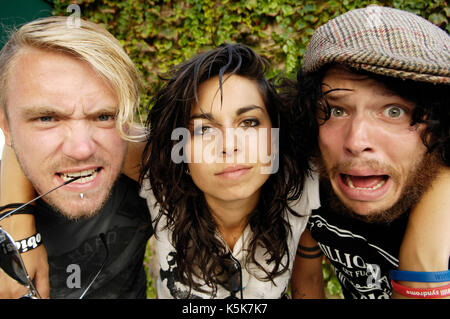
point(382, 40)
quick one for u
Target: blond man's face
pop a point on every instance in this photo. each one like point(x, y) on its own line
point(61, 124)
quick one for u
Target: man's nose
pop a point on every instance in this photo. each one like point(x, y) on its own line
point(79, 143)
point(360, 136)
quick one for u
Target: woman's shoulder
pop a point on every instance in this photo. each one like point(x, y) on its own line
point(310, 197)
point(147, 193)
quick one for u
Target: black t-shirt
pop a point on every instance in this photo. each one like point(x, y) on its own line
point(76, 252)
point(362, 254)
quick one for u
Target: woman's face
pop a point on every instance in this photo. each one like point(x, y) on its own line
point(230, 143)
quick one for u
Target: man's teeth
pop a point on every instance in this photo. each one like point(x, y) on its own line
point(86, 176)
point(349, 182)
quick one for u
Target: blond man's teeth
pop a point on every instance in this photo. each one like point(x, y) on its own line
point(85, 176)
point(349, 182)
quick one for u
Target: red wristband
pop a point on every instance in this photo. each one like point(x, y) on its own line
point(424, 293)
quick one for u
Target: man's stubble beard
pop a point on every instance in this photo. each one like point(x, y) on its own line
point(417, 183)
point(48, 199)
point(86, 214)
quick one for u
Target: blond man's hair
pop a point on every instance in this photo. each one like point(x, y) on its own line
point(90, 43)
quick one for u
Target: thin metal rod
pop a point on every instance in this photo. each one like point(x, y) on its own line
point(35, 199)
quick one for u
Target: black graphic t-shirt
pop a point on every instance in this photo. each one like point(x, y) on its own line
point(362, 254)
point(76, 251)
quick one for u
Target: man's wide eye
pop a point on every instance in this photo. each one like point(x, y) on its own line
point(337, 112)
point(394, 111)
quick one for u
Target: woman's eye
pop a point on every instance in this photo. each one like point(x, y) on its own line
point(202, 130)
point(249, 123)
point(337, 112)
point(393, 112)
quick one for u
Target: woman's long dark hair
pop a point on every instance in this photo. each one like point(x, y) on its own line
point(432, 103)
point(194, 232)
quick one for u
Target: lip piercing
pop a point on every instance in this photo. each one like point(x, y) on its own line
point(81, 195)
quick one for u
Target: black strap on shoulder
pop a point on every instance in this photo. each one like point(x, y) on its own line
point(29, 209)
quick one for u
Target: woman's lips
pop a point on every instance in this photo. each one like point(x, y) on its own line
point(364, 187)
point(234, 172)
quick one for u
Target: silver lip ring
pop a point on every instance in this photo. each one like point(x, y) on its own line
point(81, 195)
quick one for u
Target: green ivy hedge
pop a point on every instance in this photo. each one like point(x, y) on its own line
point(160, 34)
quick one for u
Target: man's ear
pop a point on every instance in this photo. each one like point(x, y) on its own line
point(4, 126)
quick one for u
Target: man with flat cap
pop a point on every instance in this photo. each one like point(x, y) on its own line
point(374, 92)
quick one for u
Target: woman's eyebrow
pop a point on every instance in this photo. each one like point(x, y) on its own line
point(249, 108)
point(210, 116)
point(203, 116)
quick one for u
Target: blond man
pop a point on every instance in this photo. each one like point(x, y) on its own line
point(68, 96)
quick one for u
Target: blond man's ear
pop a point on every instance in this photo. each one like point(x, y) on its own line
point(4, 127)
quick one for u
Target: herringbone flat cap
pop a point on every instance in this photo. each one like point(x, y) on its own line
point(385, 41)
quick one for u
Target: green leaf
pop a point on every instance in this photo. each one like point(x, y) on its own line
point(437, 18)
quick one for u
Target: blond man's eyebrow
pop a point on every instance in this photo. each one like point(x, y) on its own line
point(41, 111)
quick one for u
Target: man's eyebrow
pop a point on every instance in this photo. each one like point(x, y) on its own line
point(329, 93)
point(104, 110)
point(38, 111)
point(383, 91)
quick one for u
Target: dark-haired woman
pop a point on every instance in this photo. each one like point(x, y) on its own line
point(227, 224)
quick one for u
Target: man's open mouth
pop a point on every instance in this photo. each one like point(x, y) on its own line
point(370, 182)
point(85, 176)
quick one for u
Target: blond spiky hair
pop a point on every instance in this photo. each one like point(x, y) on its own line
point(91, 43)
